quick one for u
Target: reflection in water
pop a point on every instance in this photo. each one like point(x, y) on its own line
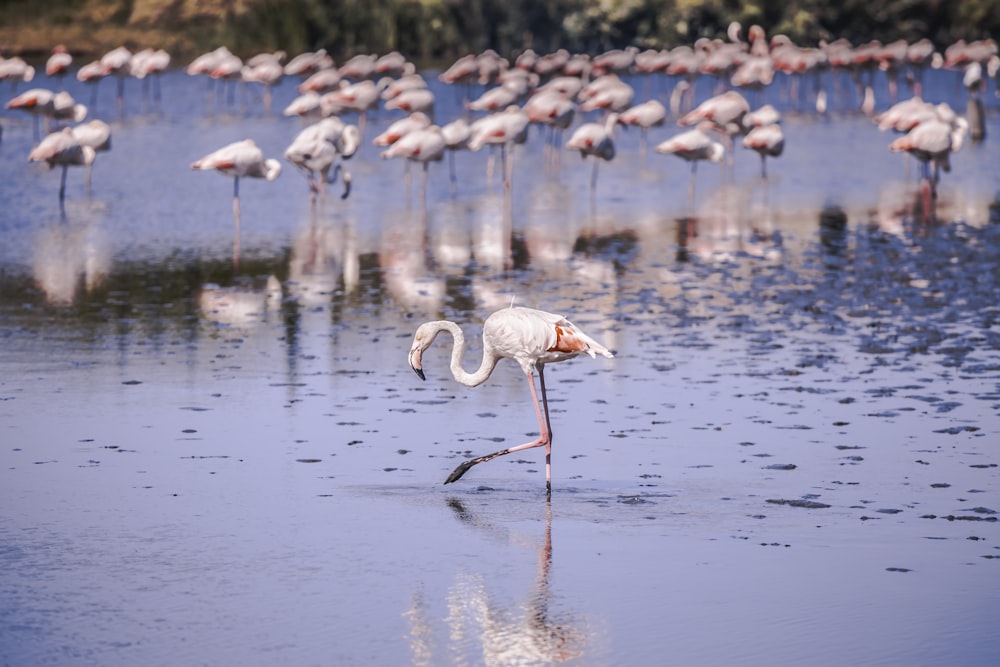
point(727, 225)
point(240, 306)
point(324, 255)
point(68, 253)
point(484, 631)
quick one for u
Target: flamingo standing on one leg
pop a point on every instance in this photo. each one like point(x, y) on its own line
point(596, 140)
point(97, 135)
point(693, 146)
point(423, 145)
point(239, 159)
point(63, 150)
point(767, 140)
point(530, 337)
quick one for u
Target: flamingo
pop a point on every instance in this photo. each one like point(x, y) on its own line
point(414, 99)
point(644, 116)
point(316, 148)
point(265, 69)
point(502, 129)
point(61, 149)
point(52, 106)
point(421, 145)
point(396, 87)
point(97, 135)
point(308, 63)
point(554, 109)
point(239, 159)
point(767, 140)
point(933, 141)
point(59, 62)
point(694, 145)
point(14, 70)
point(321, 81)
point(456, 137)
point(597, 141)
point(148, 64)
point(116, 61)
point(530, 337)
point(417, 120)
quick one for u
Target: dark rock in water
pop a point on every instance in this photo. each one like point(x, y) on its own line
point(808, 504)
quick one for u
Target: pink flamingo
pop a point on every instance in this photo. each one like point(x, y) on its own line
point(149, 64)
point(597, 141)
point(649, 114)
point(417, 120)
point(502, 129)
point(61, 149)
point(97, 135)
point(241, 159)
point(530, 337)
point(768, 141)
point(58, 64)
point(308, 63)
point(554, 109)
point(315, 151)
point(414, 99)
point(424, 145)
point(694, 146)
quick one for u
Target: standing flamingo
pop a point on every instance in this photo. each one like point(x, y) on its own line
point(58, 64)
point(421, 145)
point(597, 141)
point(693, 146)
point(315, 151)
point(239, 159)
point(61, 149)
point(644, 116)
point(97, 135)
point(767, 140)
point(503, 129)
point(530, 337)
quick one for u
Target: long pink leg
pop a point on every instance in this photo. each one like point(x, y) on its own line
point(544, 437)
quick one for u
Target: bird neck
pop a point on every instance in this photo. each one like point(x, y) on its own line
point(486, 367)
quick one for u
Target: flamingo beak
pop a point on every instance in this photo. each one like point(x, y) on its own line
point(415, 363)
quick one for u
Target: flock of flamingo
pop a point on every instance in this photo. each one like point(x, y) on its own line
point(543, 90)
point(547, 90)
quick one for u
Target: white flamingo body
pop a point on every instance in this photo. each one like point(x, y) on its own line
point(59, 62)
point(768, 141)
point(316, 149)
point(417, 120)
point(596, 141)
point(414, 99)
point(694, 146)
point(61, 149)
point(321, 81)
point(530, 337)
point(308, 63)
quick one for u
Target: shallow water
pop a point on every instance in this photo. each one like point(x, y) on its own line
point(791, 460)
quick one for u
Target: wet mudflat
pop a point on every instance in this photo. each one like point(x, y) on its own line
point(792, 458)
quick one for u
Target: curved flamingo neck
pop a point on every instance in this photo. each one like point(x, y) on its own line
point(486, 367)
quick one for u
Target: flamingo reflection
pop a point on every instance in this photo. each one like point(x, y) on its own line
point(481, 630)
point(69, 256)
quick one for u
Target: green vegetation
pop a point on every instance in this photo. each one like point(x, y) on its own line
point(440, 30)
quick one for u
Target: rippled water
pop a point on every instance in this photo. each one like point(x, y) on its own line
point(791, 460)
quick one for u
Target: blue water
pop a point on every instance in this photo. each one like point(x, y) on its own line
point(205, 461)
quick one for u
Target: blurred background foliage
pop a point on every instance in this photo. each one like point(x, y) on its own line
point(437, 31)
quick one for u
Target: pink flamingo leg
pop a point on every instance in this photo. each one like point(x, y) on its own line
point(544, 437)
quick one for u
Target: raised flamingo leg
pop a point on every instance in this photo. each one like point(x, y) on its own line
point(544, 438)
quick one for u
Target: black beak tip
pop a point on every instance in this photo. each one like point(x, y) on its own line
point(419, 372)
